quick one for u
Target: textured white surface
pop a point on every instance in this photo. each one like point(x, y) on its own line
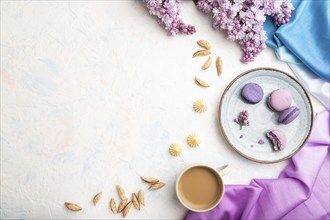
point(93, 94)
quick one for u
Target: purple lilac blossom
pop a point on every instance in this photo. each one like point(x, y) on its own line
point(243, 20)
point(242, 119)
point(168, 13)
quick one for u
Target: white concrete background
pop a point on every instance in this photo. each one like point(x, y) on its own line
point(93, 94)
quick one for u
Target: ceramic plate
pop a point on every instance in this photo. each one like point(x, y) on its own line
point(262, 119)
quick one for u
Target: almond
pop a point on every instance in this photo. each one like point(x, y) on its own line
point(135, 201)
point(72, 206)
point(207, 63)
point(149, 180)
point(127, 208)
point(219, 65)
point(201, 53)
point(97, 198)
point(201, 82)
point(203, 43)
point(121, 192)
point(113, 206)
point(122, 205)
point(156, 186)
point(141, 197)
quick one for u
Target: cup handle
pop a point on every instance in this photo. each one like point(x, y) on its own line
point(224, 170)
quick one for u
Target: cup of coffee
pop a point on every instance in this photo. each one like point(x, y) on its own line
point(200, 187)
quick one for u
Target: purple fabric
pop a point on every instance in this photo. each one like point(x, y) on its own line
point(302, 190)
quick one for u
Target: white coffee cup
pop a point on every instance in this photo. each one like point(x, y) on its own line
point(200, 187)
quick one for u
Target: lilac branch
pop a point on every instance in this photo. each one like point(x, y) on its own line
point(243, 20)
point(242, 119)
point(168, 14)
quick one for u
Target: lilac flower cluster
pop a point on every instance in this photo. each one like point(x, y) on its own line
point(243, 20)
point(242, 119)
point(168, 12)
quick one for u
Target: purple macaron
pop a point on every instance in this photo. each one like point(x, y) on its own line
point(288, 115)
point(280, 99)
point(252, 93)
point(278, 138)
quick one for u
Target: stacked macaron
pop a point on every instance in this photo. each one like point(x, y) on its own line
point(288, 115)
point(279, 100)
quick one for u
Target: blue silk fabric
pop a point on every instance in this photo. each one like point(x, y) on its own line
point(306, 37)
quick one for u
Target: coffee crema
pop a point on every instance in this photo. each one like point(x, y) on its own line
point(200, 187)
